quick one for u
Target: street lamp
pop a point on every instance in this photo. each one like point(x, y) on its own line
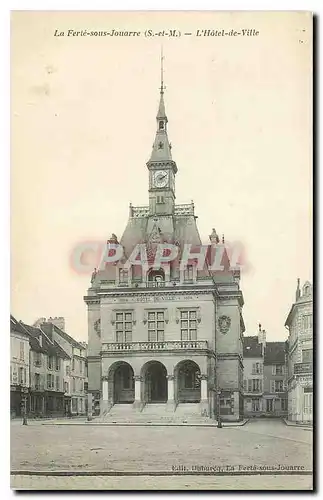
point(24, 391)
point(218, 409)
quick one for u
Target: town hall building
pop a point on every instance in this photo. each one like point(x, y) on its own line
point(165, 338)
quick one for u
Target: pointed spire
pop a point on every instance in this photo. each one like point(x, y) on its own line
point(161, 109)
point(161, 147)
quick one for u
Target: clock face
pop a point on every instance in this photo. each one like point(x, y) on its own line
point(160, 179)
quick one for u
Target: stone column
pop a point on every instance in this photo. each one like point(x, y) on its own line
point(171, 393)
point(137, 402)
point(204, 396)
point(105, 402)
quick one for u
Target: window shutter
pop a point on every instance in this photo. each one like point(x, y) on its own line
point(260, 385)
point(113, 317)
point(272, 386)
point(253, 367)
point(249, 385)
point(245, 384)
point(274, 369)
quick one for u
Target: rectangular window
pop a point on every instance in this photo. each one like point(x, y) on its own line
point(124, 327)
point(156, 326)
point(73, 364)
point(188, 325)
point(284, 404)
point(50, 381)
point(67, 370)
point(37, 381)
point(256, 385)
point(22, 351)
point(73, 382)
point(21, 376)
point(66, 386)
point(255, 405)
point(50, 362)
point(58, 364)
point(269, 405)
point(57, 383)
point(256, 368)
point(188, 273)
point(308, 403)
point(81, 367)
point(123, 276)
point(37, 358)
point(279, 369)
point(279, 386)
point(307, 355)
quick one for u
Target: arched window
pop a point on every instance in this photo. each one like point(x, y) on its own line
point(161, 125)
point(156, 277)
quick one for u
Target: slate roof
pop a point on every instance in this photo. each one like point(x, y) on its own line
point(15, 326)
point(52, 348)
point(251, 347)
point(274, 353)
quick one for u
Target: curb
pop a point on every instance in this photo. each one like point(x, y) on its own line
point(299, 426)
point(65, 473)
point(147, 424)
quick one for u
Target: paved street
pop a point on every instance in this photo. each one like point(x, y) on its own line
point(151, 449)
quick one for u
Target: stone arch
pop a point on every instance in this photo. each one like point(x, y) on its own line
point(187, 382)
point(154, 382)
point(121, 385)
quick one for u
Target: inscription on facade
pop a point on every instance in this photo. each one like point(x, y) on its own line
point(155, 298)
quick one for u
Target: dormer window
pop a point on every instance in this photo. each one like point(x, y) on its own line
point(161, 125)
point(123, 275)
point(188, 273)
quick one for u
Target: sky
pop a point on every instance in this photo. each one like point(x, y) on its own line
point(83, 123)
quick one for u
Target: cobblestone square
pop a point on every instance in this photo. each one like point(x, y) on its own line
point(39, 447)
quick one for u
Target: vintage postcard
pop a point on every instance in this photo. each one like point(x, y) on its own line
point(161, 285)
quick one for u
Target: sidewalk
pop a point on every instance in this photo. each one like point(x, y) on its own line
point(295, 424)
point(79, 421)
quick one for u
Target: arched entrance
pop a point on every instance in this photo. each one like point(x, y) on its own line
point(187, 382)
point(123, 384)
point(154, 375)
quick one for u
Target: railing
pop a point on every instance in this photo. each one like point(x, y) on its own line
point(187, 209)
point(179, 345)
point(139, 211)
point(301, 368)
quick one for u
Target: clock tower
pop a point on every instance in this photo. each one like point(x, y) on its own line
point(162, 168)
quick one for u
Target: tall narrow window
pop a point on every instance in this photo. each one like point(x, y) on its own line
point(124, 326)
point(188, 325)
point(123, 276)
point(156, 326)
point(22, 351)
point(188, 273)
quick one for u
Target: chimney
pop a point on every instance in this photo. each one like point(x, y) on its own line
point(262, 338)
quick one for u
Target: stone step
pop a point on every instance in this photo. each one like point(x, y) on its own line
point(154, 413)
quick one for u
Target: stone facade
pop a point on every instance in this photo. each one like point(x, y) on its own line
point(170, 334)
point(19, 366)
point(265, 377)
point(300, 356)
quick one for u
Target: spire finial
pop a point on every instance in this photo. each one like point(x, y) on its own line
point(162, 87)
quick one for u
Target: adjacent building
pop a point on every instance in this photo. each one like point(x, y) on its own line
point(275, 398)
point(19, 367)
point(253, 371)
point(48, 370)
point(46, 374)
point(265, 376)
point(75, 365)
point(300, 355)
point(166, 334)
